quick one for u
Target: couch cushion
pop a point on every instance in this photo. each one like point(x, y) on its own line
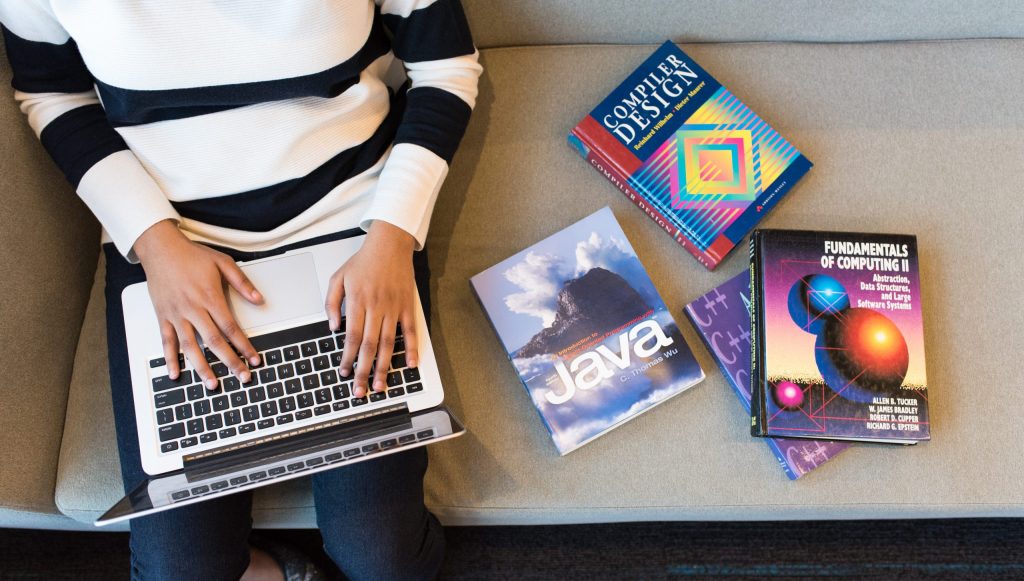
point(902, 143)
point(533, 22)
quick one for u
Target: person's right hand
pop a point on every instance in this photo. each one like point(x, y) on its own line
point(187, 286)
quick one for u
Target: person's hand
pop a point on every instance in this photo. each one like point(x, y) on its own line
point(379, 291)
point(187, 286)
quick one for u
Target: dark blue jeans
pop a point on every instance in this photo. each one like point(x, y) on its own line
point(371, 514)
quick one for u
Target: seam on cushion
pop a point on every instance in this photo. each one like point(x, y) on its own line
point(36, 508)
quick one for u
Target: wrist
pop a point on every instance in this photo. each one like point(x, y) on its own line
point(387, 235)
point(157, 237)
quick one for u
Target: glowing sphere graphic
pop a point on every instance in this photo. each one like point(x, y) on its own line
point(788, 395)
point(814, 299)
point(862, 354)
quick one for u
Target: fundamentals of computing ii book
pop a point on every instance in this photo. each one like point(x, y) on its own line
point(838, 337)
point(722, 317)
point(690, 154)
point(586, 330)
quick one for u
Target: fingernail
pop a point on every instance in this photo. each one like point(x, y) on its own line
point(211, 384)
point(360, 392)
point(245, 376)
point(256, 296)
point(255, 360)
point(413, 362)
point(345, 371)
point(333, 323)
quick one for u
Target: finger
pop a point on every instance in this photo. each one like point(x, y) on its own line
point(354, 317)
point(170, 342)
point(190, 347)
point(367, 351)
point(385, 348)
point(230, 328)
point(234, 276)
point(412, 352)
point(335, 294)
point(215, 341)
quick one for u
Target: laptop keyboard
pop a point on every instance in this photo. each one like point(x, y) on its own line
point(297, 380)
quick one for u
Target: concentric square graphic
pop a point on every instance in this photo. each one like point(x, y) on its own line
point(714, 165)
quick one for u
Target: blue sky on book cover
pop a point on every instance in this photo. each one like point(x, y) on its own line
point(586, 330)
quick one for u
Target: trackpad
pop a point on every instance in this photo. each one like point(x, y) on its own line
point(290, 288)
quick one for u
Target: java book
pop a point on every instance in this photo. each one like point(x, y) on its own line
point(586, 330)
point(838, 337)
point(688, 153)
point(722, 318)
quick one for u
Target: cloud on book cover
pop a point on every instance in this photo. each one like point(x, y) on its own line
point(587, 426)
point(540, 277)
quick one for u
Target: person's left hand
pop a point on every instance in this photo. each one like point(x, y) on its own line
point(379, 290)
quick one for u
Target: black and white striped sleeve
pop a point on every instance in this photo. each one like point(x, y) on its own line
point(56, 92)
point(432, 39)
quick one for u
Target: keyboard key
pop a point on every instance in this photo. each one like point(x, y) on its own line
point(291, 353)
point(398, 361)
point(268, 409)
point(411, 374)
point(239, 480)
point(326, 344)
point(322, 395)
point(238, 399)
point(351, 452)
point(339, 340)
point(378, 396)
point(180, 495)
point(314, 462)
point(414, 387)
point(258, 475)
point(320, 363)
point(285, 371)
point(425, 434)
point(208, 437)
point(333, 457)
point(340, 405)
point(219, 369)
point(293, 386)
point(183, 412)
point(284, 419)
point(277, 471)
point(268, 375)
point(231, 384)
point(221, 403)
point(168, 447)
point(389, 443)
point(305, 400)
point(371, 448)
point(254, 379)
point(201, 407)
point(164, 416)
point(399, 342)
point(232, 417)
point(167, 398)
point(358, 401)
point(173, 431)
point(275, 390)
point(287, 404)
point(311, 382)
point(259, 364)
point(329, 377)
point(264, 424)
point(336, 359)
point(214, 422)
point(303, 414)
point(158, 362)
point(195, 392)
point(341, 391)
point(303, 366)
point(406, 438)
point(273, 357)
point(322, 409)
point(257, 394)
point(219, 485)
point(211, 357)
point(246, 428)
point(200, 490)
point(396, 392)
point(251, 413)
point(194, 426)
point(296, 466)
point(164, 382)
point(309, 349)
point(394, 379)
point(228, 433)
point(189, 442)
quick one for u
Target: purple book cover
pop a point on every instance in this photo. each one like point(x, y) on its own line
point(586, 330)
point(839, 337)
point(722, 317)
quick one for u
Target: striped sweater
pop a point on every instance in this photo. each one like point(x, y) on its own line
point(252, 123)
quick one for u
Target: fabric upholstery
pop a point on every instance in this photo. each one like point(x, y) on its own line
point(901, 143)
point(533, 22)
point(48, 246)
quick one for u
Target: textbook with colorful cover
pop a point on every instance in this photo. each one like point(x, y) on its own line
point(838, 338)
point(586, 330)
point(722, 317)
point(685, 150)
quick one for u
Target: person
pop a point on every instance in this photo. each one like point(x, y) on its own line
point(208, 131)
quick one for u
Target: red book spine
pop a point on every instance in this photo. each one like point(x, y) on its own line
point(603, 154)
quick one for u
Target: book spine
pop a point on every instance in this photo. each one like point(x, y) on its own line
point(790, 471)
point(610, 170)
point(757, 395)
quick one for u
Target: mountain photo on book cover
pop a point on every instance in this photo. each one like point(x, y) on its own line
point(586, 330)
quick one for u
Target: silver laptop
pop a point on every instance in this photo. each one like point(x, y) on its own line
point(297, 416)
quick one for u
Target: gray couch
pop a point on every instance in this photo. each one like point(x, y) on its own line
point(910, 110)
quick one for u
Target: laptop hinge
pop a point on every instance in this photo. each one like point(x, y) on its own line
point(300, 438)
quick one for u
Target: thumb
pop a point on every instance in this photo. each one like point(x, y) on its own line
point(241, 283)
